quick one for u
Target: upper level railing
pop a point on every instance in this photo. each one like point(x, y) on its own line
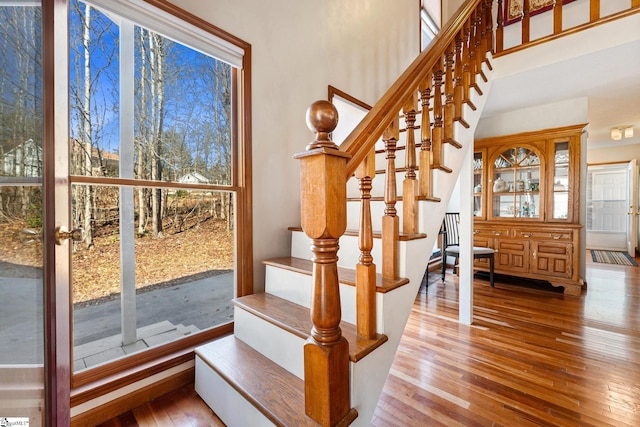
point(435, 87)
point(530, 30)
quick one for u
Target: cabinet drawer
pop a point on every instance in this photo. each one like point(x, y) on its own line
point(552, 235)
point(491, 232)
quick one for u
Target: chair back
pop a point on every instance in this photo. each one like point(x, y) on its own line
point(450, 229)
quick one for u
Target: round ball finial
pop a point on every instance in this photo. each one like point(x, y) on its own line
point(322, 118)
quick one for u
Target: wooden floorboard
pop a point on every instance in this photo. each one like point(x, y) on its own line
point(531, 358)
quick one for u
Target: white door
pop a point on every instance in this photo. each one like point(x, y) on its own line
point(607, 207)
point(633, 214)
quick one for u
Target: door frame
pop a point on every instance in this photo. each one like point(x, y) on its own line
point(56, 212)
point(633, 215)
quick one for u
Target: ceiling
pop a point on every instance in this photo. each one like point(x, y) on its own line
point(607, 74)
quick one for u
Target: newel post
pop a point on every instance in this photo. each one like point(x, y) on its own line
point(324, 220)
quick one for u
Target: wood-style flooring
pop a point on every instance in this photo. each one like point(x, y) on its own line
point(531, 358)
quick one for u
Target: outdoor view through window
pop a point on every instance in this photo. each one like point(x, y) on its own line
point(151, 158)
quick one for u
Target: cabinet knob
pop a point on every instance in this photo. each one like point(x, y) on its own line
point(526, 234)
point(556, 236)
point(497, 233)
point(476, 231)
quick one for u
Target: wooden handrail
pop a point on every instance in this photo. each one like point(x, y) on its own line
point(370, 129)
point(595, 19)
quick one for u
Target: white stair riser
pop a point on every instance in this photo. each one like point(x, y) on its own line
point(229, 405)
point(296, 287)
point(279, 345)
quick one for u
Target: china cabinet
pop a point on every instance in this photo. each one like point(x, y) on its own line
point(526, 204)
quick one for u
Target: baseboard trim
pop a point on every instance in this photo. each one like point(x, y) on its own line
point(130, 401)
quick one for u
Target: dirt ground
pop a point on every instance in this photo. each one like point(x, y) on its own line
point(200, 251)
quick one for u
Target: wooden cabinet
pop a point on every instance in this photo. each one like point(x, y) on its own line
point(526, 204)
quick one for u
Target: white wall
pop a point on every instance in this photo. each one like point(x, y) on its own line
point(552, 115)
point(299, 47)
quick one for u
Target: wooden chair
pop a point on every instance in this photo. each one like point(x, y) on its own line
point(451, 245)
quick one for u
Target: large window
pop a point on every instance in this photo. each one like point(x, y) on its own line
point(156, 183)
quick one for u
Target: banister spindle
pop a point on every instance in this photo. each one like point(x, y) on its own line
point(436, 133)
point(500, 27)
point(489, 29)
point(526, 28)
point(594, 10)
point(479, 58)
point(467, 69)
point(473, 62)
point(390, 220)
point(449, 108)
point(458, 89)
point(324, 219)
point(426, 180)
point(366, 269)
point(483, 46)
point(410, 184)
point(557, 17)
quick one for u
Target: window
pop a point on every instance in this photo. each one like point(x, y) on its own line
point(157, 182)
point(430, 20)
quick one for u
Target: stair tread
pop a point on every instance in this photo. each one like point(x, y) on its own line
point(273, 390)
point(346, 275)
point(377, 234)
point(296, 319)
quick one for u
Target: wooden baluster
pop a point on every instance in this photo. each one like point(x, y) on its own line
point(458, 90)
point(410, 184)
point(479, 59)
point(489, 29)
point(436, 133)
point(594, 10)
point(390, 220)
point(324, 220)
point(426, 180)
point(467, 71)
point(473, 63)
point(483, 46)
point(449, 108)
point(526, 27)
point(366, 269)
point(500, 28)
point(557, 17)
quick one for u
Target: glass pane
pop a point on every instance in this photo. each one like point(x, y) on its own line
point(21, 258)
point(477, 184)
point(180, 105)
point(561, 181)
point(516, 184)
point(143, 283)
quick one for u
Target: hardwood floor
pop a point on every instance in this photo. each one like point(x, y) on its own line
point(181, 408)
point(532, 358)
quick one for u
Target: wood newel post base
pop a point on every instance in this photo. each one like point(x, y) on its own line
point(325, 367)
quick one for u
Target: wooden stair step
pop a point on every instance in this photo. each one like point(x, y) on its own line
point(346, 275)
point(403, 237)
point(296, 319)
point(398, 199)
point(274, 391)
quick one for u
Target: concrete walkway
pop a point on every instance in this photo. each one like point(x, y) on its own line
point(163, 314)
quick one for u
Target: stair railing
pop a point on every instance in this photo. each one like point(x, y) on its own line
point(595, 18)
point(452, 61)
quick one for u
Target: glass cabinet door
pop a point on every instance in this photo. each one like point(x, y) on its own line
point(478, 185)
point(560, 190)
point(515, 184)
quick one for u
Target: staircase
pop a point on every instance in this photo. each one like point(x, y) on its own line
point(316, 347)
